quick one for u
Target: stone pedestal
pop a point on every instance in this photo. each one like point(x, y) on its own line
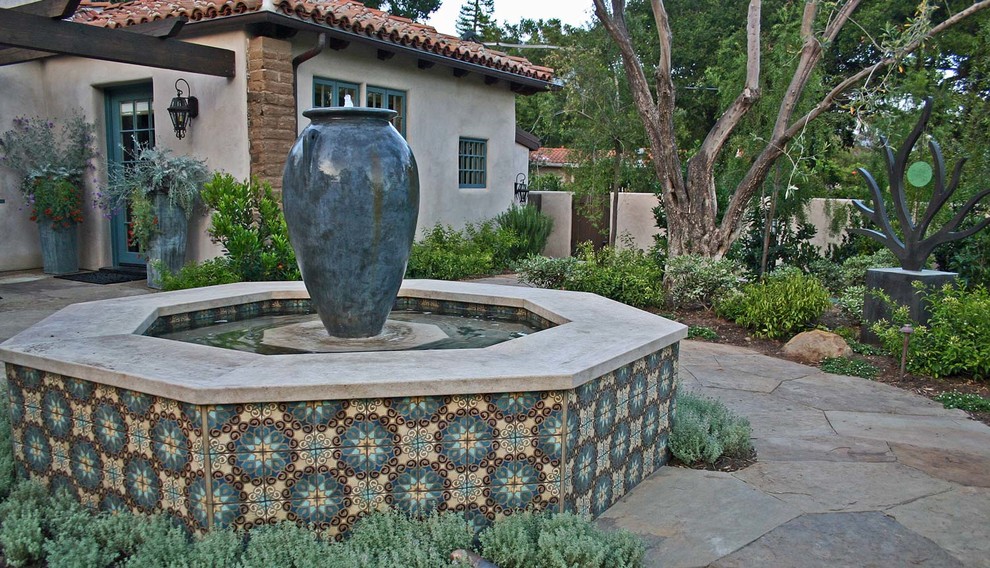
point(898, 284)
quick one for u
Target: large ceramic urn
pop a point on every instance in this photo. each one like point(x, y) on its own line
point(350, 194)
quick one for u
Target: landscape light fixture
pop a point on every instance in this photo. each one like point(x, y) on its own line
point(182, 109)
point(522, 188)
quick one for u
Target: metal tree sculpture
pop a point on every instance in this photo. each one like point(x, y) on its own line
point(915, 249)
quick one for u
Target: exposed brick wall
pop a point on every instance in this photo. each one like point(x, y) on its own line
point(271, 113)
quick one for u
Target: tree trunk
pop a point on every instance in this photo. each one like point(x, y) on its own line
point(616, 179)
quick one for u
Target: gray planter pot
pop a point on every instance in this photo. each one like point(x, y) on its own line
point(167, 249)
point(350, 193)
point(59, 248)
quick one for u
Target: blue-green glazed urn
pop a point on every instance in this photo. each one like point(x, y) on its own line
point(350, 193)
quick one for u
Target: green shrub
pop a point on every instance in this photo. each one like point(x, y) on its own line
point(538, 540)
point(704, 430)
point(546, 272)
point(702, 332)
point(625, 275)
point(850, 367)
point(447, 254)
point(25, 522)
point(850, 301)
point(207, 273)
point(780, 306)
point(7, 477)
point(501, 243)
point(692, 280)
point(968, 402)
point(956, 340)
point(530, 226)
point(546, 182)
point(248, 222)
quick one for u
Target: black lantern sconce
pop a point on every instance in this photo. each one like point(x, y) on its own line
point(522, 188)
point(182, 110)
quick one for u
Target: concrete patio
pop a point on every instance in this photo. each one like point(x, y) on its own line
point(850, 472)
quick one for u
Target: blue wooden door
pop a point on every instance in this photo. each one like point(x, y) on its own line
point(130, 125)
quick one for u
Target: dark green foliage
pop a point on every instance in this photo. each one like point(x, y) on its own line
point(416, 10)
point(956, 340)
point(546, 182)
point(249, 224)
point(783, 304)
point(540, 540)
point(964, 401)
point(861, 348)
point(788, 245)
point(702, 332)
point(208, 273)
point(840, 277)
point(969, 257)
point(850, 367)
point(625, 275)
point(704, 430)
point(7, 477)
point(530, 226)
point(546, 272)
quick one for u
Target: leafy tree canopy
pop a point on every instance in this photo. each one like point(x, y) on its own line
point(416, 10)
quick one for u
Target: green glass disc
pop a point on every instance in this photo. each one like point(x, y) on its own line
point(919, 174)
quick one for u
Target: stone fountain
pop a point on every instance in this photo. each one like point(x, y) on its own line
point(569, 417)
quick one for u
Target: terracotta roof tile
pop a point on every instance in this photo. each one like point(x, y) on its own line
point(345, 15)
point(552, 156)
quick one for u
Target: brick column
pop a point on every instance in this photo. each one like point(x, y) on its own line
point(271, 112)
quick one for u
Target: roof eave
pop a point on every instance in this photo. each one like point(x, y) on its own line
point(520, 84)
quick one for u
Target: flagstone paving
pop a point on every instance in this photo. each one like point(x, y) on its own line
point(850, 472)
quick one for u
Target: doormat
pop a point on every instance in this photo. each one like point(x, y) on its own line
point(105, 276)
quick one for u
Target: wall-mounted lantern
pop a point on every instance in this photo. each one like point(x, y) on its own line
point(182, 110)
point(522, 188)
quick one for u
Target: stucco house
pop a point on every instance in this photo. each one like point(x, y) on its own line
point(455, 99)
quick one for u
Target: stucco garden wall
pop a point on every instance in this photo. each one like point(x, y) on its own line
point(54, 87)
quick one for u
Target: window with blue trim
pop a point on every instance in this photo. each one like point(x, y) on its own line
point(380, 97)
point(330, 92)
point(472, 162)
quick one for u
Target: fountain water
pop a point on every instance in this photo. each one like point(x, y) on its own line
point(569, 417)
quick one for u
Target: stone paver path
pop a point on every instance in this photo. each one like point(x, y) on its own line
point(850, 473)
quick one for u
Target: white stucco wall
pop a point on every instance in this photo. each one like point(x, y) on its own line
point(558, 206)
point(820, 212)
point(636, 220)
point(440, 109)
point(54, 87)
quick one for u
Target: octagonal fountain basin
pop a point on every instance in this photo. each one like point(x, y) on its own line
point(569, 416)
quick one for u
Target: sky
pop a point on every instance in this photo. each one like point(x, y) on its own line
point(573, 12)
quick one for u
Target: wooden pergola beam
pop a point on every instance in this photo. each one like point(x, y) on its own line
point(58, 9)
point(39, 33)
point(162, 29)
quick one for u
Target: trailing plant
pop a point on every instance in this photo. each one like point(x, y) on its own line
point(544, 540)
point(963, 401)
point(693, 280)
point(249, 224)
point(546, 272)
point(155, 172)
point(779, 306)
point(626, 275)
point(51, 162)
point(956, 339)
point(532, 228)
point(704, 429)
point(207, 273)
point(849, 366)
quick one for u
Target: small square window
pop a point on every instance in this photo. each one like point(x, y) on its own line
point(472, 163)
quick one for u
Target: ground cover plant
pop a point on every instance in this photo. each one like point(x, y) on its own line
point(849, 366)
point(964, 401)
point(704, 431)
